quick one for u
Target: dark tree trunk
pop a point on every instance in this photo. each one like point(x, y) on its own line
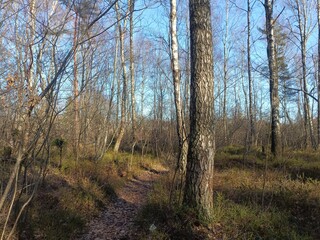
point(198, 193)
point(274, 93)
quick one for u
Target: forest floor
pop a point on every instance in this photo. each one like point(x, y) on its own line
point(92, 199)
point(255, 197)
point(127, 196)
point(116, 221)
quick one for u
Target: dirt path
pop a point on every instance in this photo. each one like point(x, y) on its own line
point(117, 220)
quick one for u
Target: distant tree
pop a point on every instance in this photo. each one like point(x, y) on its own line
point(282, 69)
point(225, 72)
point(252, 133)
point(59, 143)
point(76, 104)
point(301, 10)
point(198, 193)
point(132, 73)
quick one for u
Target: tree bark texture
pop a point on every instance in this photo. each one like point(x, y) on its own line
point(273, 79)
point(198, 193)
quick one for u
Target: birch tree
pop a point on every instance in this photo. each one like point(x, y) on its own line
point(132, 73)
point(182, 138)
point(301, 8)
point(225, 73)
point(273, 79)
point(124, 80)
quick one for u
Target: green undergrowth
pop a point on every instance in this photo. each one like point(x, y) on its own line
point(71, 196)
point(254, 198)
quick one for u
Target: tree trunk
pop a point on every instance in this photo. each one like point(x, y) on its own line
point(318, 9)
point(199, 177)
point(183, 144)
point(225, 75)
point(76, 92)
point(133, 99)
point(252, 130)
point(274, 94)
point(31, 80)
point(124, 84)
point(302, 25)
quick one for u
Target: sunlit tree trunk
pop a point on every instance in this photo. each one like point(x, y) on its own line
point(274, 93)
point(187, 70)
point(183, 144)
point(124, 84)
point(198, 193)
point(144, 64)
point(31, 80)
point(133, 98)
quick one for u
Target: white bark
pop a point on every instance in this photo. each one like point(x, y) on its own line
point(183, 145)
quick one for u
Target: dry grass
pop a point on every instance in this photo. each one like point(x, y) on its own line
point(74, 194)
point(255, 198)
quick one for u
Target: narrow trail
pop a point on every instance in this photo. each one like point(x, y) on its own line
point(117, 220)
